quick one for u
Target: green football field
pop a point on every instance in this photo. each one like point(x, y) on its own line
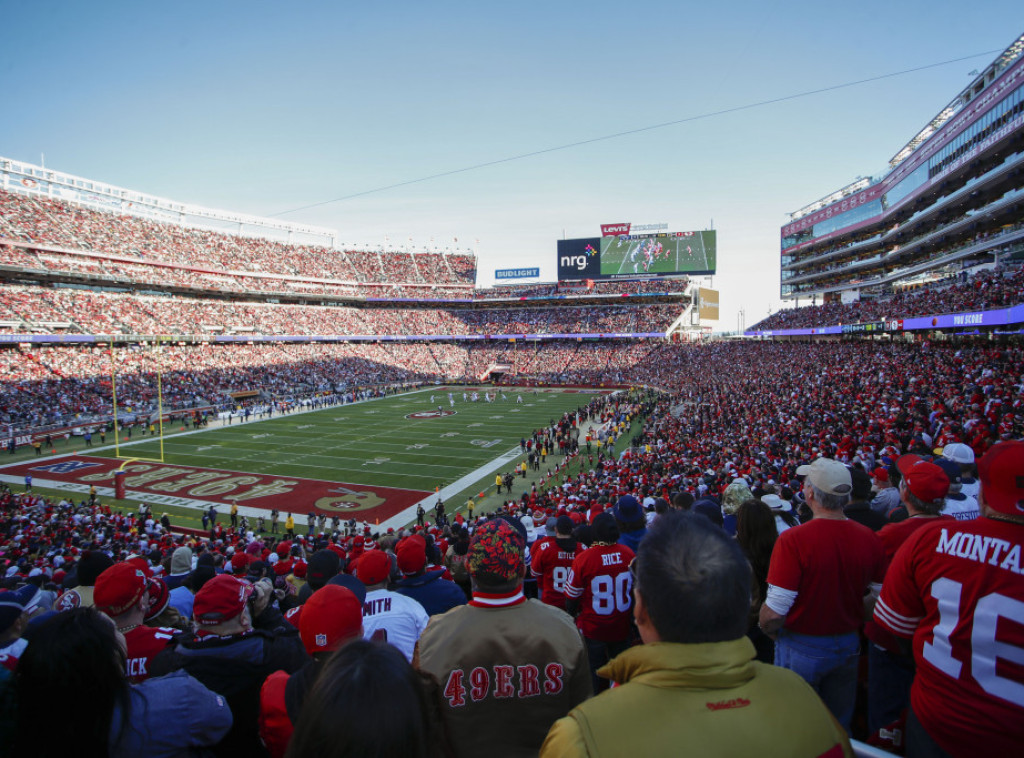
point(372, 461)
point(693, 253)
point(372, 442)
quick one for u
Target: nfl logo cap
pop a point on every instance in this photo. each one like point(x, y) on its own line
point(332, 616)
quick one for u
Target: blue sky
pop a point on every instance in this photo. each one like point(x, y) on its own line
point(263, 107)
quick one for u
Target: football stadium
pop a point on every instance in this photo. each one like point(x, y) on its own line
point(253, 469)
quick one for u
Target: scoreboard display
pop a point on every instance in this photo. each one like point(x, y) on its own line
point(638, 256)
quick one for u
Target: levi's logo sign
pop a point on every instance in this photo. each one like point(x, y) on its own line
point(611, 230)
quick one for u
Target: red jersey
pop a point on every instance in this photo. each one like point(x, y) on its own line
point(955, 587)
point(551, 564)
point(893, 536)
point(144, 642)
point(830, 564)
point(600, 580)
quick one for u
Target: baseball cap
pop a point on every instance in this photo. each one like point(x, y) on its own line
point(496, 552)
point(951, 469)
point(119, 588)
point(1002, 485)
point(323, 564)
point(412, 554)
point(628, 509)
point(828, 475)
point(159, 598)
point(925, 480)
point(351, 583)
point(13, 603)
point(881, 475)
point(958, 452)
point(220, 599)
point(331, 616)
point(711, 510)
point(373, 567)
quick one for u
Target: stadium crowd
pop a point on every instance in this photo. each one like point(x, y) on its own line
point(31, 309)
point(984, 290)
point(731, 437)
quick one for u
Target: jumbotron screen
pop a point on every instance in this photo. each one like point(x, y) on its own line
point(633, 256)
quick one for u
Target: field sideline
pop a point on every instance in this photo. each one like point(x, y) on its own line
point(373, 461)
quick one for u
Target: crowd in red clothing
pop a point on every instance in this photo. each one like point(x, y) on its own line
point(985, 290)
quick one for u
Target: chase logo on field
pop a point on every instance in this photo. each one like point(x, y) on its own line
point(431, 414)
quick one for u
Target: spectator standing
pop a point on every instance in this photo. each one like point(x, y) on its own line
point(551, 559)
point(597, 593)
point(954, 590)
point(508, 666)
point(388, 616)
point(819, 576)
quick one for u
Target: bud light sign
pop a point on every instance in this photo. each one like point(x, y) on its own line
point(517, 273)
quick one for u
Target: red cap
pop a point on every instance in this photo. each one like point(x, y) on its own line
point(880, 474)
point(299, 569)
point(412, 554)
point(119, 588)
point(925, 480)
point(332, 616)
point(220, 599)
point(374, 567)
point(1001, 470)
point(159, 598)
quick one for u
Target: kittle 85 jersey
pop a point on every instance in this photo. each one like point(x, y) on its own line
point(550, 564)
point(957, 589)
point(600, 580)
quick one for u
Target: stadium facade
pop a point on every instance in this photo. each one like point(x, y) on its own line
point(950, 202)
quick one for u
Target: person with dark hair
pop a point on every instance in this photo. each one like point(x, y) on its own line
point(368, 700)
point(81, 651)
point(551, 559)
point(821, 576)
point(597, 594)
point(629, 517)
point(756, 534)
point(331, 618)
point(859, 508)
point(90, 566)
point(508, 666)
point(694, 682)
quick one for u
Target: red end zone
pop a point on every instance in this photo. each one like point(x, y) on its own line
point(189, 483)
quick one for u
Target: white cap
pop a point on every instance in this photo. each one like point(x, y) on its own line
point(958, 452)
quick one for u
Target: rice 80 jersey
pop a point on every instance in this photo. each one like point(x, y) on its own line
point(957, 589)
point(550, 563)
point(600, 580)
